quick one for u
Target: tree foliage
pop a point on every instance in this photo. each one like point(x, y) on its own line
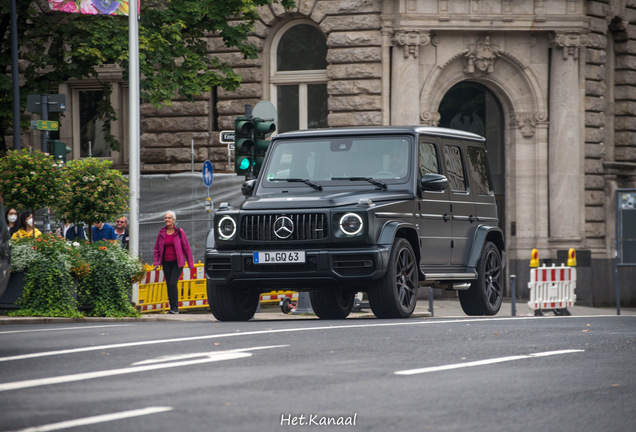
point(173, 54)
point(29, 180)
point(92, 192)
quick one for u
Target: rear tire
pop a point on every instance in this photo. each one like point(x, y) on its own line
point(395, 295)
point(232, 304)
point(486, 293)
point(332, 304)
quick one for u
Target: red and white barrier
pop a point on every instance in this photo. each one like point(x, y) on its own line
point(552, 287)
point(273, 297)
point(156, 276)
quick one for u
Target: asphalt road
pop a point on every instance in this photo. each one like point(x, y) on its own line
point(437, 374)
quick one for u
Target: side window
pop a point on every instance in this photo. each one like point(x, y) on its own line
point(454, 168)
point(428, 159)
point(478, 171)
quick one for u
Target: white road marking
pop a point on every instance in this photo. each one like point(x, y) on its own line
point(194, 355)
point(260, 332)
point(213, 357)
point(65, 328)
point(96, 419)
point(482, 362)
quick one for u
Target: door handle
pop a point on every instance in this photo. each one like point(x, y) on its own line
point(471, 218)
point(446, 217)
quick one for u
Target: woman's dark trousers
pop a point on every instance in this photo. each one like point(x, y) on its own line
point(172, 272)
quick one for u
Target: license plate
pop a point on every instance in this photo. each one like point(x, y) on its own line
point(279, 257)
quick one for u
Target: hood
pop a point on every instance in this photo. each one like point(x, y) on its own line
point(316, 200)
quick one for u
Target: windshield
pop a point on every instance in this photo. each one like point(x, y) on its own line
point(323, 159)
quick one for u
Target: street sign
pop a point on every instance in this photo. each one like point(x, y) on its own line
point(47, 125)
point(226, 137)
point(56, 103)
point(208, 173)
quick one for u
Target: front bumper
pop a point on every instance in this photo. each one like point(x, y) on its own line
point(323, 269)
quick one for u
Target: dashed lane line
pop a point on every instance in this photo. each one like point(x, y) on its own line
point(96, 419)
point(483, 362)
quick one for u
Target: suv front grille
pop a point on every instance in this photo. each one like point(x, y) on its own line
point(307, 226)
point(353, 265)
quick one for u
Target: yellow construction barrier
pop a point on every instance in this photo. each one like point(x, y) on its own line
point(153, 295)
point(193, 294)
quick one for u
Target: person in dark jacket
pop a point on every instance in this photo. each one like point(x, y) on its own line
point(121, 231)
point(172, 250)
point(72, 232)
point(102, 231)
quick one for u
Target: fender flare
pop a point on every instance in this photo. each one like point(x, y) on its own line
point(481, 234)
point(387, 238)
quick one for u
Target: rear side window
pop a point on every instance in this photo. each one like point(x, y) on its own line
point(478, 171)
point(428, 159)
point(455, 168)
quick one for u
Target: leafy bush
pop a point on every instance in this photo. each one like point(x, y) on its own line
point(93, 192)
point(104, 271)
point(112, 270)
point(29, 180)
point(48, 288)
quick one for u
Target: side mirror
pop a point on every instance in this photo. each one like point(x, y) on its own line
point(248, 187)
point(433, 183)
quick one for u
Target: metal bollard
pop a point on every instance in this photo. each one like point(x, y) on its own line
point(430, 301)
point(513, 294)
point(303, 305)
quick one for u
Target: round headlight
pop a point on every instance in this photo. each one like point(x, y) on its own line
point(227, 228)
point(351, 224)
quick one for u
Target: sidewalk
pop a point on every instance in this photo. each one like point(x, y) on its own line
point(443, 308)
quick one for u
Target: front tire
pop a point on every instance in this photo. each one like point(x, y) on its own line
point(232, 304)
point(332, 304)
point(485, 294)
point(395, 295)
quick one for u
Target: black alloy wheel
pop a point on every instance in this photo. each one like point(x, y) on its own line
point(395, 294)
point(332, 304)
point(485, 294)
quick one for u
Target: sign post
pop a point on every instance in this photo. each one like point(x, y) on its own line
point(625, 234)
point(208, 177)
point(228, 137)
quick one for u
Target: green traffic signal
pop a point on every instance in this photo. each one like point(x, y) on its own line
point(244, 145)
point(59, 150)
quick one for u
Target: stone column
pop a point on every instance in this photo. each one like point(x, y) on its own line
point(405, 79)
point(566, 144)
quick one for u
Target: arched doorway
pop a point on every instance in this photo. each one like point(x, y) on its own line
point(472, 107)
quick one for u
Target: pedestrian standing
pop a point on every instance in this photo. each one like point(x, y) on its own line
point(121, 230)
point(25, 227)
point(71, 232)
point(102, 231)
point(12, 220)
point(172, 250)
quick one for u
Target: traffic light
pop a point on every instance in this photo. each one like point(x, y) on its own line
point(262, 128)
point(59, 150)
point(244, 146)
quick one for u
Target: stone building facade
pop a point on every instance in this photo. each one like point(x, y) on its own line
point(557, 85)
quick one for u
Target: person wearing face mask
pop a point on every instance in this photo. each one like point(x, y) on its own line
point(26, 227)
point(12, 220)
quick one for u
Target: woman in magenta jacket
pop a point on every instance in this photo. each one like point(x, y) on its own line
point(172, 250)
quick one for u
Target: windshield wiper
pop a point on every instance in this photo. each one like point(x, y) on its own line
point(297, 180)
point(382, 185)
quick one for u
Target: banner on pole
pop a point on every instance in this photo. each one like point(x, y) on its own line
point(92, 7)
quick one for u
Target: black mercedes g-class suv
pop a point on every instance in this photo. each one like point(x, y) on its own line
point(380, 210)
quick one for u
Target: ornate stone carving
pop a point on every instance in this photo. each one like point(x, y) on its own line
point(430, 118)
point(481, 55)
point(570, 42)
point(411, 40)
point(527, 122)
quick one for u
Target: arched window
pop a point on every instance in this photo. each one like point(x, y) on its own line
point(299, 77)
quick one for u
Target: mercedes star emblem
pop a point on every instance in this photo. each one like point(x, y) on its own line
point(283, 227)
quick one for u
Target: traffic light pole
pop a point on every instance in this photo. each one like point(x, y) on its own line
point(15, 75)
